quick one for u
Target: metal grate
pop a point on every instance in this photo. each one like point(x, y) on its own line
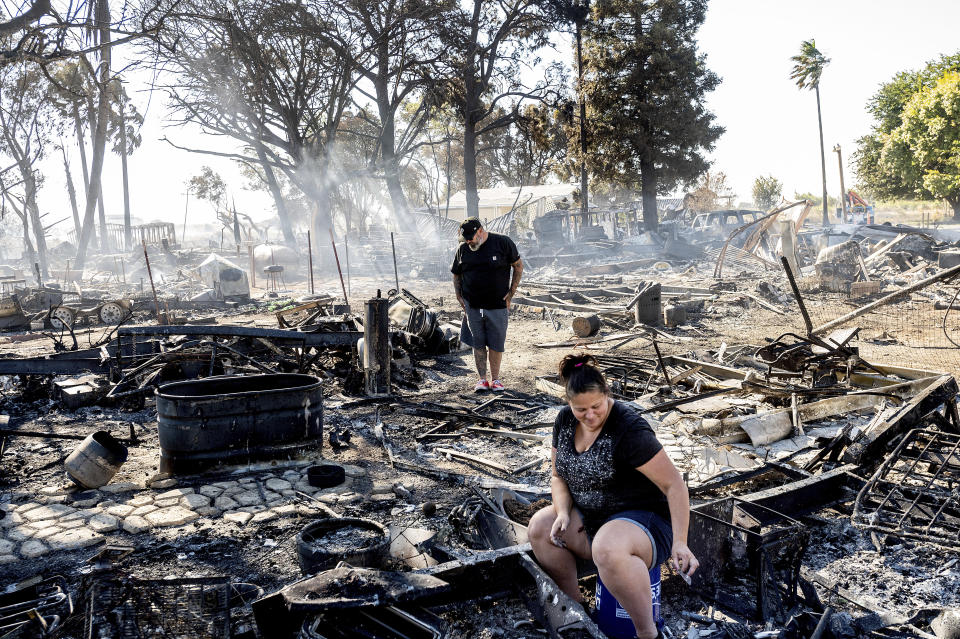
point(916, 492)
point(131, 608)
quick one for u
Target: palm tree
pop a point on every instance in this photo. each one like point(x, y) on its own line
point(808, 65)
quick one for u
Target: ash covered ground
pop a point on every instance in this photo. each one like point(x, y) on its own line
point(242, 521)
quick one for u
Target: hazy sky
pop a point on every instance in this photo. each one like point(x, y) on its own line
point(771, 126)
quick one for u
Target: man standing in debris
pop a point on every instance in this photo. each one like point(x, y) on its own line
point(486, 273)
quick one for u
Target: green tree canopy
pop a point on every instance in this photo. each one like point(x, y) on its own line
point(887, 161)
point(767, 191)
point(646, 85)
point(928, 140)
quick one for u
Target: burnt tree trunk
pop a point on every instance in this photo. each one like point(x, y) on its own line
point(471, 107)
point(127, 231)
point(72, 193)
point(85, 171)
point(95, 116)
point(277, 194)
point(388, 154)
point(470, 169)
point(33, 212)
point(27, 244)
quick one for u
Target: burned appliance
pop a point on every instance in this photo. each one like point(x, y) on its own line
point(421, 325)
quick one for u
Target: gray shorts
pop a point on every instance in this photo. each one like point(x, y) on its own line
point(484, 327)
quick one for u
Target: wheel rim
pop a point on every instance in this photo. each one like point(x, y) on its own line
point(111, 313)
point(61, 318)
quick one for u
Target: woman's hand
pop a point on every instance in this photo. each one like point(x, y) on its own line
point(560, 525)
point(683, 560)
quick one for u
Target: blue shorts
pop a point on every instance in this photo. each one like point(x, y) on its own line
point(484, 327)
point(657, 528)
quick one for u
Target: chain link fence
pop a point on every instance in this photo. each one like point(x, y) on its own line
point(920, 330)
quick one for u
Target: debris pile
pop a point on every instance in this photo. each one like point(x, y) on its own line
point(224, 459)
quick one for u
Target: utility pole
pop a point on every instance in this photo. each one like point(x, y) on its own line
point(843, 188)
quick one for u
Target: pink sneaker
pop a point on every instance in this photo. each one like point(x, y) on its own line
point(482, 386)
point(497, 386)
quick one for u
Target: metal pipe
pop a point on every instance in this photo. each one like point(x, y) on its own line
point(346, 300)
point(310, 257)
point(156, 302)
point(796, 295)
point(395, 273)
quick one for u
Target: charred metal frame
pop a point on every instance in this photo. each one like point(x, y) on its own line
point(873, 445)
point(46, 604)
point(332, 338)
point(914, 493)
point(759, 547)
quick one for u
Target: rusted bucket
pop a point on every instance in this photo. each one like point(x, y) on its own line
point(96, 460)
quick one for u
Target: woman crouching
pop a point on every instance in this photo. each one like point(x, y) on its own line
point(617, 497)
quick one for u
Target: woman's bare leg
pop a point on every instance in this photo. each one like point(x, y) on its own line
point(560, 563)
point(623, 554)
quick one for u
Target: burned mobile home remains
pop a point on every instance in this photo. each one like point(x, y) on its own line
point(231, 449)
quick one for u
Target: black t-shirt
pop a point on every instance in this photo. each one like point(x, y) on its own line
point(604, 479)
point(485, 273)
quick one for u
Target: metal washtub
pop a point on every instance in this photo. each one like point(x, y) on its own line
point(235, 419)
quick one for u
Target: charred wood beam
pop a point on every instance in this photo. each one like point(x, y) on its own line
point(451, 415)
point(872, 445)
point(686, 400)
point(808, 494)
point(334, 338)
point(53, 366)
point(473, 458)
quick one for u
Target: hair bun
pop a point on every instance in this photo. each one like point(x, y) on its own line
point(573, 361)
